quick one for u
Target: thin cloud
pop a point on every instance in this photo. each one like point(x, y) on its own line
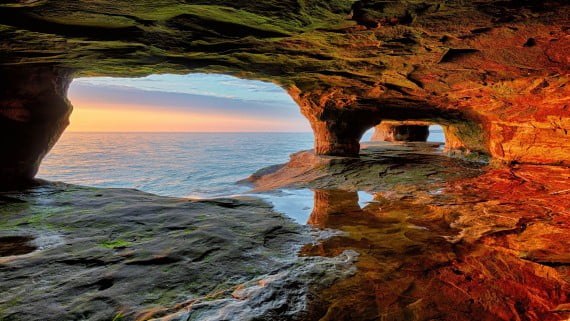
point(218, 100)
point(212, 85)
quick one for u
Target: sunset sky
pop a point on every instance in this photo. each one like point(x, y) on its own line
point(176, 103)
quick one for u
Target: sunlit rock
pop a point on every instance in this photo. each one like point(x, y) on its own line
point(494, 73)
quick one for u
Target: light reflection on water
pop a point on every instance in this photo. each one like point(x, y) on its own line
point(299, 204)
point(409, 269)
point(436, 134)
point(412, 264)
point(169, 164)
point(295, 203)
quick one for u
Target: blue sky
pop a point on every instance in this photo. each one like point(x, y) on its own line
point(200, 97)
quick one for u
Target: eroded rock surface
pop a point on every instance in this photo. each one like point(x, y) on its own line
point(100, 254)
point(380, 166)
point(438, 238)
point(34, 112)
point(456, 242)
point(493, 72)
point(492, 247)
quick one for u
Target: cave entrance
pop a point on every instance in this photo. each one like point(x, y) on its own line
point(406, 131)
point(402, 131)
point(175, 135)
point(367, 137)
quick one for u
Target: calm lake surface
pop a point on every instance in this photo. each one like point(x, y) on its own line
point(194, 165)
point(172, 164)
point(169, 164)
point(452, 228)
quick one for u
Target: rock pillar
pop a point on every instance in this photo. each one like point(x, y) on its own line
point(337, 123)
point(331, 203)
point(34, 112)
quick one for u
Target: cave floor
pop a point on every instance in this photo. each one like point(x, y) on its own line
point(403, 233)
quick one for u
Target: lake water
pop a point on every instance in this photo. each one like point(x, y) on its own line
point(169, 164)
point(172, 164)
point(412, 243)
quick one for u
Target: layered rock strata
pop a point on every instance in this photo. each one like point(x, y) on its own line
point(494, 73)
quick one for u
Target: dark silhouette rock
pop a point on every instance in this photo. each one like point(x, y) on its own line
point(34, 112)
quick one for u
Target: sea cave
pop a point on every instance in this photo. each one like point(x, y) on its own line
point(454, 206)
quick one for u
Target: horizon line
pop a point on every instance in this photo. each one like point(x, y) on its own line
point(175, 132)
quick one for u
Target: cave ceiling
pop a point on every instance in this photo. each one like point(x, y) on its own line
point(495, 71)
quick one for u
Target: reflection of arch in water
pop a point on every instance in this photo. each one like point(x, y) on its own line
point(331, 203)
point(405, 259)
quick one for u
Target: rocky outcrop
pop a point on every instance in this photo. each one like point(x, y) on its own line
point(494, 73)
point(491, 243)
point(120, 254)
point(380, 166)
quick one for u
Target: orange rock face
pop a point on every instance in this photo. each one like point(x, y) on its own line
point(494, 247)
point(439, 238)
point(497, 85)
point(493, 73)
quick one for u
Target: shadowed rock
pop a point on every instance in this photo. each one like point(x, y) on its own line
point(104, 254)
point(34, 112)
point(401, 132)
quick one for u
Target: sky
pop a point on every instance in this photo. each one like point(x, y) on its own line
point(182, 103)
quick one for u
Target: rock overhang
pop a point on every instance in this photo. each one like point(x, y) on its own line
point(495, 72)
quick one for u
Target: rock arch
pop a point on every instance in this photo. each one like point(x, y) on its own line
point(496, 73)
point(401, 131)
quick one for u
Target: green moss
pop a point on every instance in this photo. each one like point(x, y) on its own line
point(16, 215)
point(504, 90)
point(118, 317)
point(91, 20)
point(12, 209)
point(5, 28)
point(13, 302)
point(184, 232)
point(217, 13)
point(22, 4)
point(115, 244)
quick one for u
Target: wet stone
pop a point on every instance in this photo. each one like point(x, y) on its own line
point(16, 245)
point(404, 233)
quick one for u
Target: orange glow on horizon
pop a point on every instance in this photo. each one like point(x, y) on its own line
point(88, 117)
